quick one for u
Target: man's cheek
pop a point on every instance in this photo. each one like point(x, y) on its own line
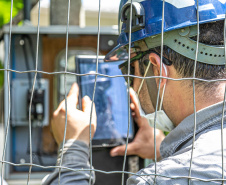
point(136, 84)
point(147, 108)
point(145, 100)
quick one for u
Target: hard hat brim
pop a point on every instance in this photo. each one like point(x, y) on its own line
point(118, 53)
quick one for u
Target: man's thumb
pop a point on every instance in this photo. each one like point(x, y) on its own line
point(120, 150)
point(86, 104)
point(72, 97)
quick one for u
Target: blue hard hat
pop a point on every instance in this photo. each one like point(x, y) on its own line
point(147, 21)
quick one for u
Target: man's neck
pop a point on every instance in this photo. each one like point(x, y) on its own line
point(203, 98)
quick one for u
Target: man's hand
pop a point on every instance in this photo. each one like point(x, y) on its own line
point(77, 121)
point(143, 143)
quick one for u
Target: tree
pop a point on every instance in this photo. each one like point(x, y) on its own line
point(6, 8)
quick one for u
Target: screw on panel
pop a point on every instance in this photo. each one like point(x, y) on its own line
point(21, 42)
point(111, 43)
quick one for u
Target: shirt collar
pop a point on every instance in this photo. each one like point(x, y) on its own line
point(184, 131)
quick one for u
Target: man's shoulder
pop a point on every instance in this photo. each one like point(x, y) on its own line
point(174, 169)
point(160, 173)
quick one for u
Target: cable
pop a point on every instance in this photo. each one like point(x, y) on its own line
point(33, 59)
point(25, 51)
point(22, 43)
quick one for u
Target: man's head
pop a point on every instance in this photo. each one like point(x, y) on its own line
point(179, 94)
point(180, 45)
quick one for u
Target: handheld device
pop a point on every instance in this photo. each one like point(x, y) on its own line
point(111, 100)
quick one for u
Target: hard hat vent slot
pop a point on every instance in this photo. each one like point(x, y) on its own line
point(201, 52)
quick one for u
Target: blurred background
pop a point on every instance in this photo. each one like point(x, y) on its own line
point(49, 89)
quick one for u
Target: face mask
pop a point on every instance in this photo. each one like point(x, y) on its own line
point(162, 120)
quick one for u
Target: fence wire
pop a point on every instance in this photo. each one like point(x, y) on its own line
point(36, 71)
point(194, 103)
point(65, 91)
point(32, 93)
point(128, 90)
point(9, 100)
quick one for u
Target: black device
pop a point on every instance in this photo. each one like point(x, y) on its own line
point(111, 100)
point(37, 105)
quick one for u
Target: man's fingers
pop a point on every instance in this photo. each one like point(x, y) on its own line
point(72, 99)
point(59, 108)
point(74, 90)
point(133, 96)
point(135, 101)
point(86, 105)
point(132, 106)
point(73, 94)
point(120, 150)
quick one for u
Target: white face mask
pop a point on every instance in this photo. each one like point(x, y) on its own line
point(162, 120)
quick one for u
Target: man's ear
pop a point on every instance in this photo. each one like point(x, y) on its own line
point(156, 60)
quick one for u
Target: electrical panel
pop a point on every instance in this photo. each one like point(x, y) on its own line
point(21, 96)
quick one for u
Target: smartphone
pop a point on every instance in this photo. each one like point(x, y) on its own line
point(111, 100)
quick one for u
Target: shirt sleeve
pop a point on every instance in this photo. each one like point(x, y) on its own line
point(76, 157)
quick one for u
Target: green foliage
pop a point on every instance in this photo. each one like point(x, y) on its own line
point(166, 133)
point(6, 8)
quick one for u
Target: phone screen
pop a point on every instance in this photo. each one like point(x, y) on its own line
point(111, 100)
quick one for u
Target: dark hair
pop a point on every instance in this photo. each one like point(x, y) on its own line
point(211, 34)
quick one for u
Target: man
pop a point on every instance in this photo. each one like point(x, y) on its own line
point(176, 109)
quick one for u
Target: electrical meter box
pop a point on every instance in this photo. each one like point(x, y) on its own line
point(47, 92)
